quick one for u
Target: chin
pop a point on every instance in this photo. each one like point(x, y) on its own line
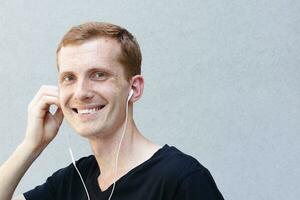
point(85, 132)
point(89, 132)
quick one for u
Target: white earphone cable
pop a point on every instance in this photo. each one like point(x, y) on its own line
point(74, 163)
point(117, 157)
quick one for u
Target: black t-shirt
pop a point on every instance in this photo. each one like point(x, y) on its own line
point(168, 175)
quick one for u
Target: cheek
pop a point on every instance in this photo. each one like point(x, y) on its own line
point(63, 95)
point(108, 89)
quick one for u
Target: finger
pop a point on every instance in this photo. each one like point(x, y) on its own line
point(44, 90)
point(44, 104)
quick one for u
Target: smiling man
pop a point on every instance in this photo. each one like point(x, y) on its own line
point(99, 80)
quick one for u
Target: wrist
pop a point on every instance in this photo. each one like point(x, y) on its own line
point(30, 149)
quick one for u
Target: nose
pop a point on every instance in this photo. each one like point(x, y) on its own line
point(83, 90)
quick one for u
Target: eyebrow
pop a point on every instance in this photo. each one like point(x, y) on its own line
point(89, 70)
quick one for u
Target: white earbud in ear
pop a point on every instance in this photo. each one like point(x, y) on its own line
point(130, 94)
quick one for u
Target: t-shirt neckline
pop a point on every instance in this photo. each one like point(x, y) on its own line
point(96, 188)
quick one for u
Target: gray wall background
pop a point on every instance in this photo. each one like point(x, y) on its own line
point(222, 84)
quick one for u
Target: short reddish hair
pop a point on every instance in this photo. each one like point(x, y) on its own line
point(130, 57)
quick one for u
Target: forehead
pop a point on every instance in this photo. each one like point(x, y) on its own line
point(100, 52)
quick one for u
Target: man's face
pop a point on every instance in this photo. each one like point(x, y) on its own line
point(92, 87)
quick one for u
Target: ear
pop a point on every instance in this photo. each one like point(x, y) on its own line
point(137, 85)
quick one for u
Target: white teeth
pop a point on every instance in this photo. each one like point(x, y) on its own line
point(88, 111)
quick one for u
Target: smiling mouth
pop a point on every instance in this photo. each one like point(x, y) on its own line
point(89, 110)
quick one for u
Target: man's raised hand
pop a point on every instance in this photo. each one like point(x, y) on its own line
point(42, 126)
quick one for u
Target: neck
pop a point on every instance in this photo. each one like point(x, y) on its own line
point(134, 150)
point(106, 148)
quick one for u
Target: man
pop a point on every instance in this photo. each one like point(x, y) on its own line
point(99, 79)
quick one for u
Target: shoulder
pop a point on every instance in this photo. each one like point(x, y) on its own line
point(62, 176)
point(86, 161)
point(189, 177)
point(178, 164)
point(80, 163)
point(61, 181)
